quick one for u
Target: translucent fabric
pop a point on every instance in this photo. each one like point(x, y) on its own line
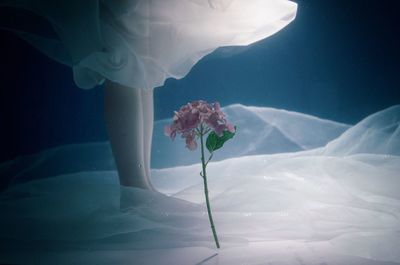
point(333, 205)
point(141, 43)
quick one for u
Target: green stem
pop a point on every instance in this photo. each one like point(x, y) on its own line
point(206, 189)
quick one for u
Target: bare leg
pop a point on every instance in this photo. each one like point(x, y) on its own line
point(148, 121)
point(123, 109)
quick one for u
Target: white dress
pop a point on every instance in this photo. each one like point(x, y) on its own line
point(141, 43)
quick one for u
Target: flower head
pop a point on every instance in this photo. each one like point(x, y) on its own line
point(197, 117)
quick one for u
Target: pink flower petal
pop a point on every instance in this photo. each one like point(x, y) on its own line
point(167, 130)
point(192, 115)
point(230, 127)
point(191, 145)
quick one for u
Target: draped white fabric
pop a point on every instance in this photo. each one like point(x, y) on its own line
point(339, 204)
point(141, 43)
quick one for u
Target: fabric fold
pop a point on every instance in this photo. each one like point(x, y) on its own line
point(141, 43)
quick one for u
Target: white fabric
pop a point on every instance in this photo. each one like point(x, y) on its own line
point(312, 207)
point(141, 43)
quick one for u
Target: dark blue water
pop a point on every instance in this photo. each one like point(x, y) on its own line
point(338, 60)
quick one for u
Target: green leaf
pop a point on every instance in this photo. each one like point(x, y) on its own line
point(211, 142)
point(215, 142)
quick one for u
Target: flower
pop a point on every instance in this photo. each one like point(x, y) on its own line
point(197, 119)
point(194, 117)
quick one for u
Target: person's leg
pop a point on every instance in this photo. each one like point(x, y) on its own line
point(123, 111)
point(148, 123)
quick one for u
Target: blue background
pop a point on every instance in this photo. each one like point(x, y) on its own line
point(338, 60)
